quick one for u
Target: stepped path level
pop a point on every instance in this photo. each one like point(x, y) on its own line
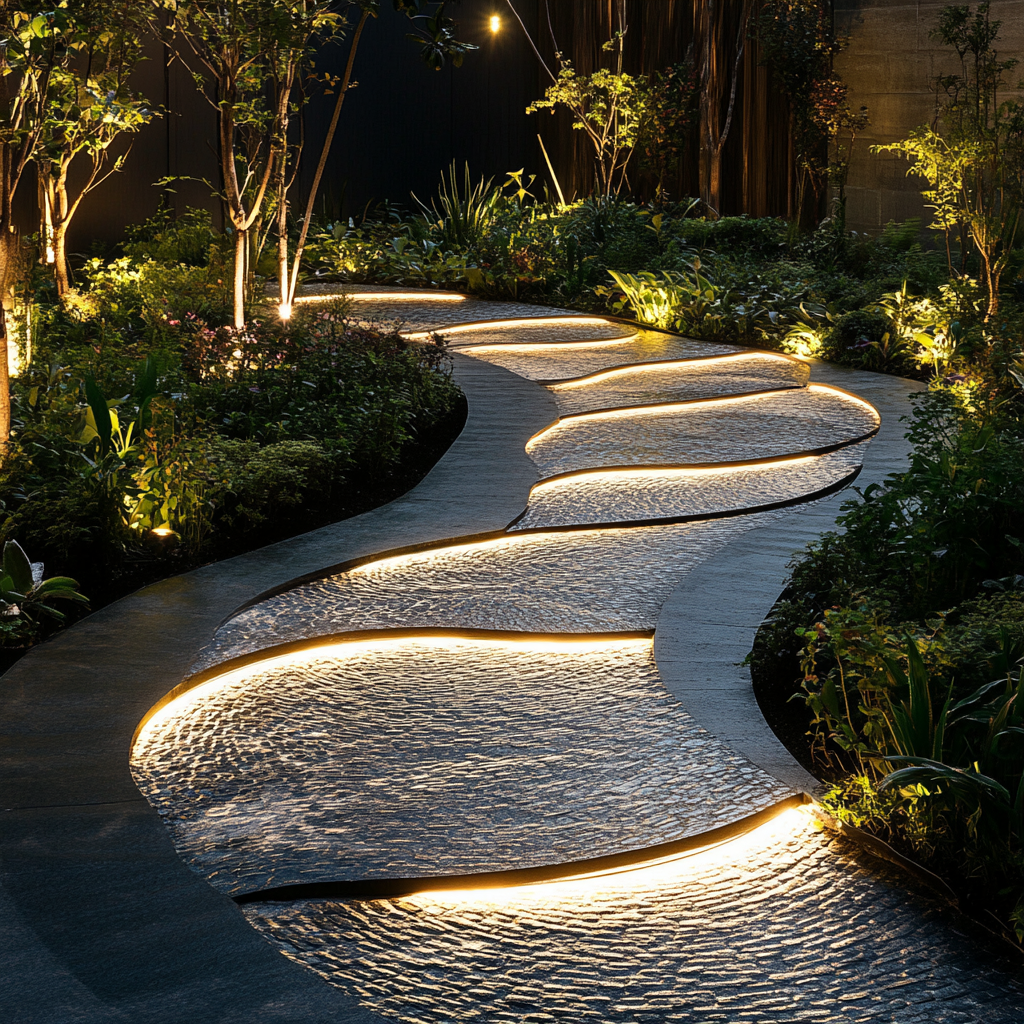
point(490, 753)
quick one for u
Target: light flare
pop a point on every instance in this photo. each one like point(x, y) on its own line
point(731, 853)
point(284, 310)
point(673, 364)
point(175, 704)
point(668, 472)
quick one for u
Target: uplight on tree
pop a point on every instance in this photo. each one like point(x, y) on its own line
point(495, 23)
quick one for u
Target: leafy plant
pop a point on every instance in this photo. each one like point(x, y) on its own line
point(24, 592)
point(974, 161)
point(465, 216)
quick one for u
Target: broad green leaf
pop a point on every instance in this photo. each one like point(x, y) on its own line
point(17, 566)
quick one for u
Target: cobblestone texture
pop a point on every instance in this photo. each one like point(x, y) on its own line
point(639, 494)
point(677, 383)
point(591, 581)
point(532, 331)
point(410, 757)
point(790, 929)
point(569, 362)
point(420, 314)
point(413, 757)
point(755, 427)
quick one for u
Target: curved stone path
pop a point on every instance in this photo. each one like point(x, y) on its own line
point(493, 703)
point(528, 661)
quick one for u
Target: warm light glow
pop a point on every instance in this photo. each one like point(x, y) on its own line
point(284, 310)
point(385, 297)
point(346, 648)
point(667, 364)
point(495, 23)
point(488, 325)
point(670, 472)
point(840, 393)
point(787, 824)
point(162, 531)
point(51, 256)
point(543, 346)
point(407, 296)
point(671, 408)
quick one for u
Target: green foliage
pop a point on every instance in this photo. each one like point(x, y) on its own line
point(145, 443)
point(798, 45)
point(668, 120)
point(610, 107)
point(465, 217)
point(24, 592)
point(865, 337)
point(973, 161)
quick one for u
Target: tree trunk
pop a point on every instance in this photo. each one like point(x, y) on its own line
point(6, 242)
point(60, 258)
point(5, 385)
point(282, 236)
point(241, 260)
point(992, 276)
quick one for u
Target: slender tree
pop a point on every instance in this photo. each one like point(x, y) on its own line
point(243, 56)
point(31, 44)
point(89, 106)
point(435, 33)
point(255, 61)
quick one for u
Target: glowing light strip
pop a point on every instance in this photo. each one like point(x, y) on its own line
point(529, 321)
point(512, 346)
point(666, 409)
point(350, 648)
point(386, 297)
point(667, 364)
point(407, 296)
point(848, 396)
point(673, 408)
point(619, 474)
point(788, 823)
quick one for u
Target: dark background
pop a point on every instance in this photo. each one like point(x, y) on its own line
point(404, 123)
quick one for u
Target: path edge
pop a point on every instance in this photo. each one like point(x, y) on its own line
point(707, 626)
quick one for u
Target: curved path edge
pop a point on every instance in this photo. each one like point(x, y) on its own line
point(708, 624)
point(99, 918)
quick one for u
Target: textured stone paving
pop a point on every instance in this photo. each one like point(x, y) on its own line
point(402, 758)
point(722, 430)
point(440, 754)
point(590, 581)
point(787, 928)
point(680, 381)
point(637, 494)
point(569, 362)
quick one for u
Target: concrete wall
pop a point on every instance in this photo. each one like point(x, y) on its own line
point(890, 66)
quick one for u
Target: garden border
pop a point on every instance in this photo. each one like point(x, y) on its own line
point(705, 631)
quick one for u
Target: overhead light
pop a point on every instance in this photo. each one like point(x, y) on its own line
point(495, 23)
